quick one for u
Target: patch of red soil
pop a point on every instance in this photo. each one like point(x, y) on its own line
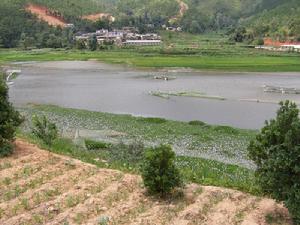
point(276, 43)
point(43, 14)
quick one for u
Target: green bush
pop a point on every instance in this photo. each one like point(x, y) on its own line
point(197, 123)
point(159, 172)
point(9, 121)
point(259, 41)
point(44, 129)
point(226, 129)
point(276, 152)
point(96, 145)
point(131, 153)
point(153, 120)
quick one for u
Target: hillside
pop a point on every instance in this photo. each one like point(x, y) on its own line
point(258, 18)
point(38, 187)
point(281, 21)
point(275, 18)
point(71, 9)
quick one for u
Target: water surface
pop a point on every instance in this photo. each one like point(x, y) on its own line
point(117, 89)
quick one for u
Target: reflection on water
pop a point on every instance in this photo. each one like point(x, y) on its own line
point(110, 88)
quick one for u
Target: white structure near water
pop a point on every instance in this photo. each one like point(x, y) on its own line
point(142, 42)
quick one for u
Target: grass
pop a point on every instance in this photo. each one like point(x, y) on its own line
point(202, 171)
point(95, 145)
point(202, 52)
point(218, 143)
point(201, 62)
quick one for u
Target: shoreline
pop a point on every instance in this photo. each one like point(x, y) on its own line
point(165, 62)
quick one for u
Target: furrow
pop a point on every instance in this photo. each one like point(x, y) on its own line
point(28, 172)
point(18, 165)
point(224, 212)
point(197, 203)
point(264, 208)
point(124, 210)
point(45, 193)
point(80, 192)
point(98, 203)
point(17, 190)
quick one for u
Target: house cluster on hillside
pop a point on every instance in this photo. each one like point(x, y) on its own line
point(287, 46)
point(125, 36)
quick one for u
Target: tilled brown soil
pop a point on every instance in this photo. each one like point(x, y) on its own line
point(38, 187)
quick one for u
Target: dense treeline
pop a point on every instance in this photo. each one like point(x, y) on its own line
point(72, 9)
point(281, 22)
point(244, 20)
point(19, 28)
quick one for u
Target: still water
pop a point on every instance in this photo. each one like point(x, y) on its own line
point(118, 89)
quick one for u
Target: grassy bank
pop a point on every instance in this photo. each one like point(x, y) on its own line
point(118, 134)
point(210, 51)
point(196, 170)
point(195, 139)
point(163, 58)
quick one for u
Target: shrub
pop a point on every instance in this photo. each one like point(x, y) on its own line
point(260, 41)
point(153, 120)
point(276, 152)
point(226, 129)
point(132, 153)
point(96, 145)
point(160, 175)
point(197, 123)
point(44, 129)
point(9, 121)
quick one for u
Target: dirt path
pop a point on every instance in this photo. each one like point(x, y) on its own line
point(183, 8)
point(59, 190)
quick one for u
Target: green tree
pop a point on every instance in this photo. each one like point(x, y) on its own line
point(80, 44)
point(276, 152)
point(25, 41)
point(93, 43)
point(9, 121)
point(159, 172)
point(54, 41)
point(240, 34)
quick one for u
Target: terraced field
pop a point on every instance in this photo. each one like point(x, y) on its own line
point(38, 187)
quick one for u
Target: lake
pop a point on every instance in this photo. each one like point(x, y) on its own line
point(119, 89)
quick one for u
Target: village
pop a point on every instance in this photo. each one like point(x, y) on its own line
point(127, 36)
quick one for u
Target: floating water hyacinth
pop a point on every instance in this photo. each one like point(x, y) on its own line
point(219, 143)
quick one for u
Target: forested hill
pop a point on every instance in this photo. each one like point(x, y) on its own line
point(202, 15)
point(276, 18)
point(243, 19)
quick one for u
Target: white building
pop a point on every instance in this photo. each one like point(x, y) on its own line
point(142, 42)
point(291, 47)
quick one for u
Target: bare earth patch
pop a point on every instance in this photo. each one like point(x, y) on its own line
point(99, 16)
point(38, 187)
point(41, 13)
